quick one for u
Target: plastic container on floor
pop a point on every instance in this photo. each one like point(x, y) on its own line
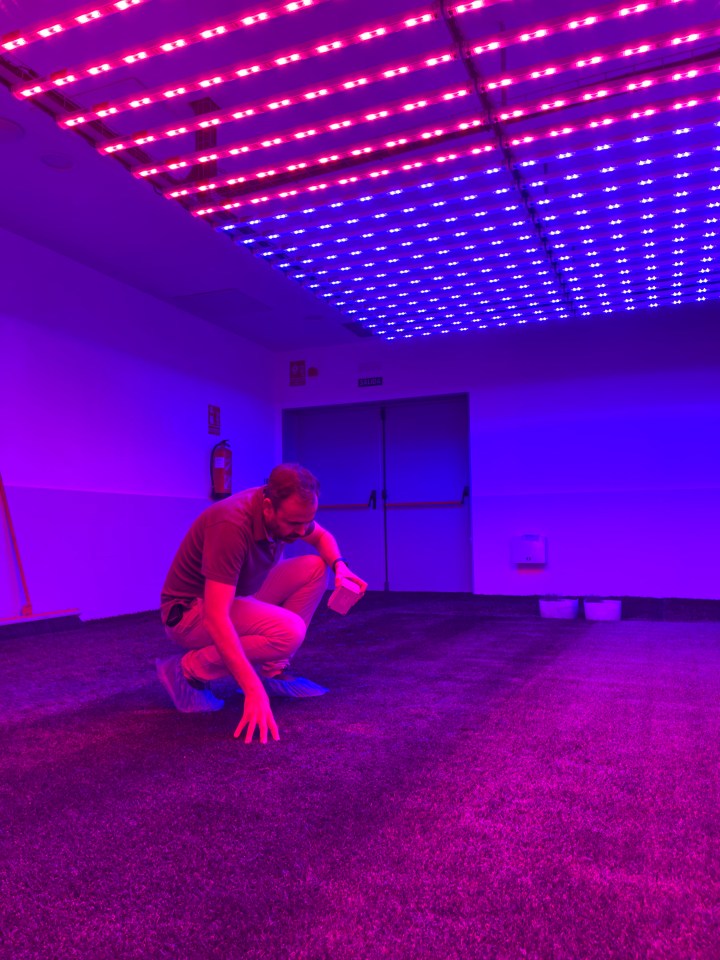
point(600, 608)
point(558, 608)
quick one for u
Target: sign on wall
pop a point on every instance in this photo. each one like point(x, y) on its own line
point(213, 419)
point(297, 373)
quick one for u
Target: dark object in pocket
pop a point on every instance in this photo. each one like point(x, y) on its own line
point(175, 616)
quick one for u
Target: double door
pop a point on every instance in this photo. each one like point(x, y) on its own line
point(394, 482)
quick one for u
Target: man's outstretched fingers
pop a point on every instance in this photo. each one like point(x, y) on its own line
point(257, 717)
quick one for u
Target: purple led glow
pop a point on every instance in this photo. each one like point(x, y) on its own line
point(567, 186)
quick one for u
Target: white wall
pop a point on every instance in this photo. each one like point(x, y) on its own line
point(104, 447)
point(601, 435)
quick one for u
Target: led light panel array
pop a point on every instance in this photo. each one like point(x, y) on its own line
point(426, 168)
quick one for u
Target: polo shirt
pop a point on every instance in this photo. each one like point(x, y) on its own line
point(228, 543)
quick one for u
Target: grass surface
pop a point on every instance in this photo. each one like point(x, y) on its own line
point(470, 787)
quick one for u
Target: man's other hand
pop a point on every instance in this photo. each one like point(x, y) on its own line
point(343, 572)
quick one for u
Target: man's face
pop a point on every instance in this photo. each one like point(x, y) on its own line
point(291, 520)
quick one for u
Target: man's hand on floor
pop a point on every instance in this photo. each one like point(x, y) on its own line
point(257, 714)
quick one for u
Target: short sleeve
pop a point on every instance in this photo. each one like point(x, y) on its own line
point(224, 552)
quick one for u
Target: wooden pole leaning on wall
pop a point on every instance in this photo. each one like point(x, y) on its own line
point(26, 609)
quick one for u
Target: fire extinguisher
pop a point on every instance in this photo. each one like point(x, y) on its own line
point(221, 470)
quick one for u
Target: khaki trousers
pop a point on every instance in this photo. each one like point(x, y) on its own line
point(271, 625)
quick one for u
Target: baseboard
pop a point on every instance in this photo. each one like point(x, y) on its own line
point(36, 626)
point(675, 609)
point(671, 609)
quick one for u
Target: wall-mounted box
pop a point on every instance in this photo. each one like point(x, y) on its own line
point(529, 548)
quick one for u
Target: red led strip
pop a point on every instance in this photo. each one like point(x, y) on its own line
point(237, 72)
point(666, 106)
point(560, 24)
point(23, 38)
point(234, 150)
point(606, 90)
point(162, 94)
point(101, 68)
point(640, 114)
point(398, 69)
point(623, 51)
point(265, 106)
point(344, 181)
point(424, 136)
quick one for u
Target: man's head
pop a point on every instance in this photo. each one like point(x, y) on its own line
point(290, 502)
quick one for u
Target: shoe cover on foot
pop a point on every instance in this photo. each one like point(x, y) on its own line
point(288, 685)
point(185, 697)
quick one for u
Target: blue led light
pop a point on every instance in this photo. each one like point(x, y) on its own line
point(444, 306)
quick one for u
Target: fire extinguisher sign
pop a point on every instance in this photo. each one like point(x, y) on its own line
point(297, 373)
point(213, 419)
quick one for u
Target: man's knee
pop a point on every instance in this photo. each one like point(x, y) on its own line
point(313, 566)
point(289, 633)
point(293, 629)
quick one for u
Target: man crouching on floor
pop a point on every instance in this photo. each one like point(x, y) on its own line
point(238, 608)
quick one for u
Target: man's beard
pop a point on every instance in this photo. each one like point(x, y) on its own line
point(273, 531)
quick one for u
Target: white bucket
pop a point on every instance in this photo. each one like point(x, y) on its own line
point(597, 609)
point(559, 608)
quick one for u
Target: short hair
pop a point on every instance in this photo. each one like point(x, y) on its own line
point(289, 479)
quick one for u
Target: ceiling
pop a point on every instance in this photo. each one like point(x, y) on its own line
point(317, 170)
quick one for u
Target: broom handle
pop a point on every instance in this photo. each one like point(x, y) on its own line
point(13, 540)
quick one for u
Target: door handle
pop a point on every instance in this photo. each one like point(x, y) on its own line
point(370, 505)
point(431, 503)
